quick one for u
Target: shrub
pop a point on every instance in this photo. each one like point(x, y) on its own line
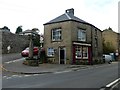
point(31, 62)
point(82, 62)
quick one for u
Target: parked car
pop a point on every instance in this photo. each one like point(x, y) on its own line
point(25, 53)
point(107, 58)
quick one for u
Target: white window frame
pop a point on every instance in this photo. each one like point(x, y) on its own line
point(78, 51)
point(50, 52)
point(81, 35)
point(86, 52)
point(56, 35)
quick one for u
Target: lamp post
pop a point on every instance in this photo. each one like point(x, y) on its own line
point(118, 46)
point(41, 45)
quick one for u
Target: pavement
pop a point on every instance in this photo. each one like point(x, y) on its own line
point(17, 66)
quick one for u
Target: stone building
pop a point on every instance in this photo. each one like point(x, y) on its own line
point(70, 40)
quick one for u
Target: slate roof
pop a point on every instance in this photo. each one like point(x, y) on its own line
point(67, 16)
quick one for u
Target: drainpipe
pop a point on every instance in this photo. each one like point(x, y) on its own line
point(91, 47)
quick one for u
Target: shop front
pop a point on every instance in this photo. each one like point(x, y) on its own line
point(82, 53)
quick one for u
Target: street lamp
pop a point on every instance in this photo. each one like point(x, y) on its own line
point(118, 46)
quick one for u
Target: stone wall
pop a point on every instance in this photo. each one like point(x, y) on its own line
point(16, 42)
point(69, 35)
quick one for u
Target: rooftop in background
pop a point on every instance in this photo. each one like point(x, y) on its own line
point(28, 32)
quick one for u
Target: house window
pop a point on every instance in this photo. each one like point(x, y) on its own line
point(50, 52)
point(56, 34)
point(81, 35)
point(81, 52)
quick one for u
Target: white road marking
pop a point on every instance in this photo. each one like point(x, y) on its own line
point(62, 72)
point(37, 74)
point(19, 76)
point(4, 76)
point(112, 83)
point(27, 75)
point(15, 76)
point(8, 77)
point(15, 60)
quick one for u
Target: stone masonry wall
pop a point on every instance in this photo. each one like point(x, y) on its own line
point(16, 42)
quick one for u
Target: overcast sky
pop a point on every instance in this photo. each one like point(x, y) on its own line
point(34, 13)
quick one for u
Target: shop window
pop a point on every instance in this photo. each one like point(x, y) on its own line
point(81, 52)
point(85, 52)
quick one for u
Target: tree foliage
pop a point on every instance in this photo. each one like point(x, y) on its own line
point(5, 28)
point(35, 30)
point(107, 45)
point(18, 30)
point(36, 40)
point(108, 48)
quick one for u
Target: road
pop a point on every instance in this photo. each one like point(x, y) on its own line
point(9, 57)
point(93, 77)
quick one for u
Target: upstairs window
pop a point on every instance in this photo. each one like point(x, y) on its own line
point(81, 35)
point(56, 34)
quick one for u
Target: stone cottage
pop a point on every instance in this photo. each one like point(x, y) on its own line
point(70, 40)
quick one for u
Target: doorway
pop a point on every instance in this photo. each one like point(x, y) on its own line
point(62, 56)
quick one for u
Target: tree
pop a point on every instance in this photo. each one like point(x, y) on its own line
point(108, 47)
point(5, 28)
point(109, 28)
point(35, 30)
point(18, 30)
point(36, 40)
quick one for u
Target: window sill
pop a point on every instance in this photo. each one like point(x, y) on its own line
point(83, 58)
point(56, 41)
point(50, 56)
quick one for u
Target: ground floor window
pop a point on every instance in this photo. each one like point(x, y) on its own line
point(85, 52)
point(81, 52)
point(78, 52)
point(50, 52)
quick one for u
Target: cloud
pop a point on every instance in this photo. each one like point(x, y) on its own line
point(34, 13)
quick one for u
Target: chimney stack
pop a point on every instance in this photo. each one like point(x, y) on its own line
point(70, 11)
